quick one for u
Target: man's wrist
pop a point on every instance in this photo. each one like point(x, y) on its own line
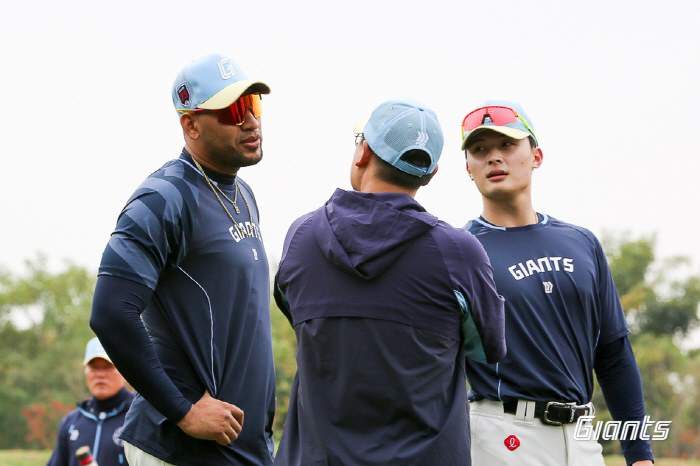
point(181, 412)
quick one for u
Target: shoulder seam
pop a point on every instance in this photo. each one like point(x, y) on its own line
point(586, 233)
point(432, 233)
point(291, 234)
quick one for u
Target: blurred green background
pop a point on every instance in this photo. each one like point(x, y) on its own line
point(44, 327)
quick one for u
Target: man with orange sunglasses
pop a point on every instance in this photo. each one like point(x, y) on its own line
point(564, 319)
point(182, 302)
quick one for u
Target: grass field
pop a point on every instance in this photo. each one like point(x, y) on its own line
point(40, 457)
point(620, 461)
point(24, 457)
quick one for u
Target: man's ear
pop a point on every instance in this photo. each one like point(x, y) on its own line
point(425, 183)
point(470, 172)
point(365, 156)
point(537, 152)
point(189, 125)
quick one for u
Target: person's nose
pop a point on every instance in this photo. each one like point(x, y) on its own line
point(251, 122)
point(495, 156)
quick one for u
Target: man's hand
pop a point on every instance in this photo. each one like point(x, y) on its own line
point(211, 419)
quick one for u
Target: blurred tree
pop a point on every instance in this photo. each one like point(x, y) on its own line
point(629, 262)
point(660, 312)
point(43, 331)
point(284, 343)
point(41, 420)
point(675, 314)
point(666, 397)
point(653, 302)
point(690, 438)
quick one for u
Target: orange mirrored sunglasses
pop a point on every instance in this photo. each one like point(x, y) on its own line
point(235, 113)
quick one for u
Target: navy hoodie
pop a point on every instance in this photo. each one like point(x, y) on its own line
point(386, 301)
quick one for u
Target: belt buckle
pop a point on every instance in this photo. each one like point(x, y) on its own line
point(545, 419)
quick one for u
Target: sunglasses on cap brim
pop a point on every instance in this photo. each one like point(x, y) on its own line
point(498, 116)
point(235, 113)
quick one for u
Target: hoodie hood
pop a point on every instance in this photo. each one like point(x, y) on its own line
point(364, 233)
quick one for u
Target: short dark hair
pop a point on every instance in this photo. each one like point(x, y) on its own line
point(390, 174)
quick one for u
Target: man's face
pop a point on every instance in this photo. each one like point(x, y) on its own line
point(227, 145)
point(500, 165)
point(103, 379)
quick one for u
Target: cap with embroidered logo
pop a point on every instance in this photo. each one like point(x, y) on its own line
point(400, 125)
point(212, 82)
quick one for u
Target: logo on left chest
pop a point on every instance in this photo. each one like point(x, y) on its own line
point(115, 437)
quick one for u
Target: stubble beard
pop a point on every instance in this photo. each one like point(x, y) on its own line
point(236, 158)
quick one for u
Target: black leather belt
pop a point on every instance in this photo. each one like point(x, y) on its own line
point(553, 413)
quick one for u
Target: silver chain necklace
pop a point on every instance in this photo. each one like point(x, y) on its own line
point(214, 189)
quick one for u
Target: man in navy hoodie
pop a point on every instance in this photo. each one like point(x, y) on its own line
point(98, 421)
point(386, 302)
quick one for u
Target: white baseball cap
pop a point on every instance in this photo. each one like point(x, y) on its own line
point(94, 350)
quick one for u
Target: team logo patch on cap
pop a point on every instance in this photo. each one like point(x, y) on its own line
point(512, 442)
point(183, 93)
point(486, 119)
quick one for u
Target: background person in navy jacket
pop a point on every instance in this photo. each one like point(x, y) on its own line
point(386, 301)
point(98, 421)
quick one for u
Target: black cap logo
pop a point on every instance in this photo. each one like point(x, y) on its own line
point(486, 119)
point(184, 94)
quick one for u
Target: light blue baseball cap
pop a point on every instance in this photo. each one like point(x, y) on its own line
point(212, 82)
point(397, 126)
point(521, 128)
point(94, 350)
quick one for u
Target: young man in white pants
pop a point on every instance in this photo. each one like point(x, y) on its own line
point(563, 315)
